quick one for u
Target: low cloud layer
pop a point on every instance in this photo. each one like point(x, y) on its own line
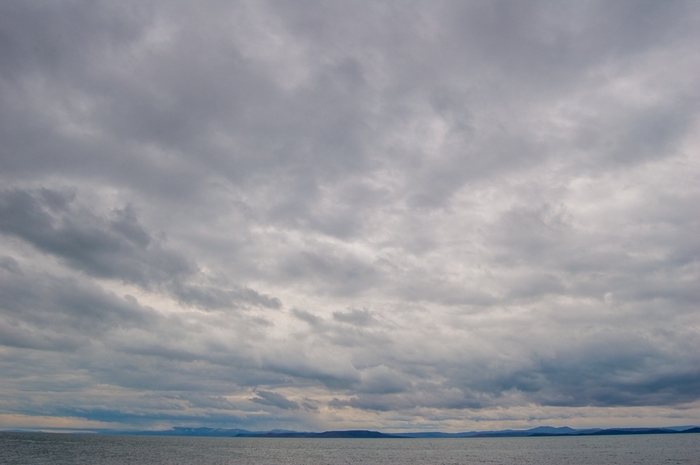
point(329, 215)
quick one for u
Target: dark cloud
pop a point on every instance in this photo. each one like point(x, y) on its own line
point(274, 399)
point(114, 247)
point(50, 313)
point(117, 247)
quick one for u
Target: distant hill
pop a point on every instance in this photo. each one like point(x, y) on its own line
point(187, 431)
point(438, 434)
point(621, 431)
point(533, 432)
point(330, 434)
point(552, 430)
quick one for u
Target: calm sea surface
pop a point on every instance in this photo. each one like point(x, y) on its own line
point(74, 449)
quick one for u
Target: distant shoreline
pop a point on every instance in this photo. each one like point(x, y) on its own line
point(491, 434)
point(368, 434)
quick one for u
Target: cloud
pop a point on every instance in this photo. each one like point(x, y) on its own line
point(51, 313)
point(345, 215)
point(355, 317)
point(117, 247)
point(274, 399)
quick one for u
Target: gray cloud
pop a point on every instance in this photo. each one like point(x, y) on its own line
point(51, 313)
point(117, 247)
point(340, 215)
point(355, 317)
point(274, 399)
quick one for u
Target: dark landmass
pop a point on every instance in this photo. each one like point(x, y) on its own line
point(534, 432)
point(549, 431)
point(187, 431)
point(330, 434)
point(619, 431)
point(540, 431)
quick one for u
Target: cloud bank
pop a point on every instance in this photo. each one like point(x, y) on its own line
point(329, 215)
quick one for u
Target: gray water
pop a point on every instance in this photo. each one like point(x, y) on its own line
point(75, 449)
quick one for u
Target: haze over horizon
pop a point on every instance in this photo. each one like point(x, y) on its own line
point(323, 215)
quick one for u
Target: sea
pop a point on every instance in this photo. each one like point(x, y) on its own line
point(96, 449)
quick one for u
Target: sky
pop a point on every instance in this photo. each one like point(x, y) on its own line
point(317, 215)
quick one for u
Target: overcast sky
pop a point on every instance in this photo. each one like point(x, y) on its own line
point(419, 215)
